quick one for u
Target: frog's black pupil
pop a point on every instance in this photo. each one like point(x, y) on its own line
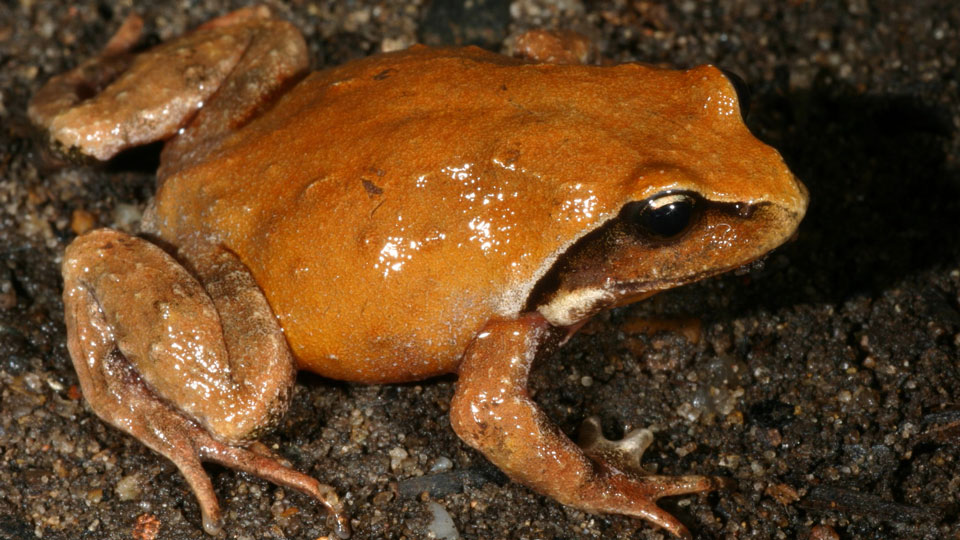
point(668, 220)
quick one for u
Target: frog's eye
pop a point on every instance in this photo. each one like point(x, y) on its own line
point(742, 90)
point(663, 216)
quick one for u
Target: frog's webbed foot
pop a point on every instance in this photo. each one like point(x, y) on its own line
point(492, 412)
point(118, 396)
point(192, 367)
point(119, 100)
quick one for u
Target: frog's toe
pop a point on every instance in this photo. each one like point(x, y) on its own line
point(624, 454)
point(213, 527)
point(633, 495)
point(669, 486)
point(259, 461)
point(258, 447)
point(187, 444)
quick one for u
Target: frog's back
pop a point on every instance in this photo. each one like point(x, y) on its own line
point(390, 207)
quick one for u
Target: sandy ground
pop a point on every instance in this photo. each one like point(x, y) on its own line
point(824, 386)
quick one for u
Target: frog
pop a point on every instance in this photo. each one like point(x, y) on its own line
point(399, 217)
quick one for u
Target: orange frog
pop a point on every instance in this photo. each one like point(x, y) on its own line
point(410, 214)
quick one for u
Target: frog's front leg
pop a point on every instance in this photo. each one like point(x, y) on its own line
point(492, 412)
point(193, 368)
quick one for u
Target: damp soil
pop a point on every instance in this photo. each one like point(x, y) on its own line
point(824, 386)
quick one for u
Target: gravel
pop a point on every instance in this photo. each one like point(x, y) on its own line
point(824, 386)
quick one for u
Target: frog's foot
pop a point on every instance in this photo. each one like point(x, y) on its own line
point(195, 368)
point(119, 396)
point(118, 100)
point(626, 455)
point(259, 460)
point(492, 412)
point(275, 470)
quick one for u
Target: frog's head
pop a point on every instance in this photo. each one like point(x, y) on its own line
point(723, 200)
point(666, 240)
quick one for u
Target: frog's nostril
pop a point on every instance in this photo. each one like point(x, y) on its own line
point(743, 91)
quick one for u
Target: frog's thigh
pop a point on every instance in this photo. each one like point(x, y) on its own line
point(231, 372)
point(117, 394)
point(275, 57)
point(492, 412)
point(155, 360)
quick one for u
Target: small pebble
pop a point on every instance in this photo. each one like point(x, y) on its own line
point(128, 488)
point(442, 525)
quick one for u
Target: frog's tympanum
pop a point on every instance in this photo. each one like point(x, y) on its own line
point(398, 217)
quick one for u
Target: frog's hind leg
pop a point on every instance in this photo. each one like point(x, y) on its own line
point(65, 91)
point(156, 360)
point(118, 100)
point(117, 395)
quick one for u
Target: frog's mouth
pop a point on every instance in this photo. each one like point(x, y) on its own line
point(621, 262)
